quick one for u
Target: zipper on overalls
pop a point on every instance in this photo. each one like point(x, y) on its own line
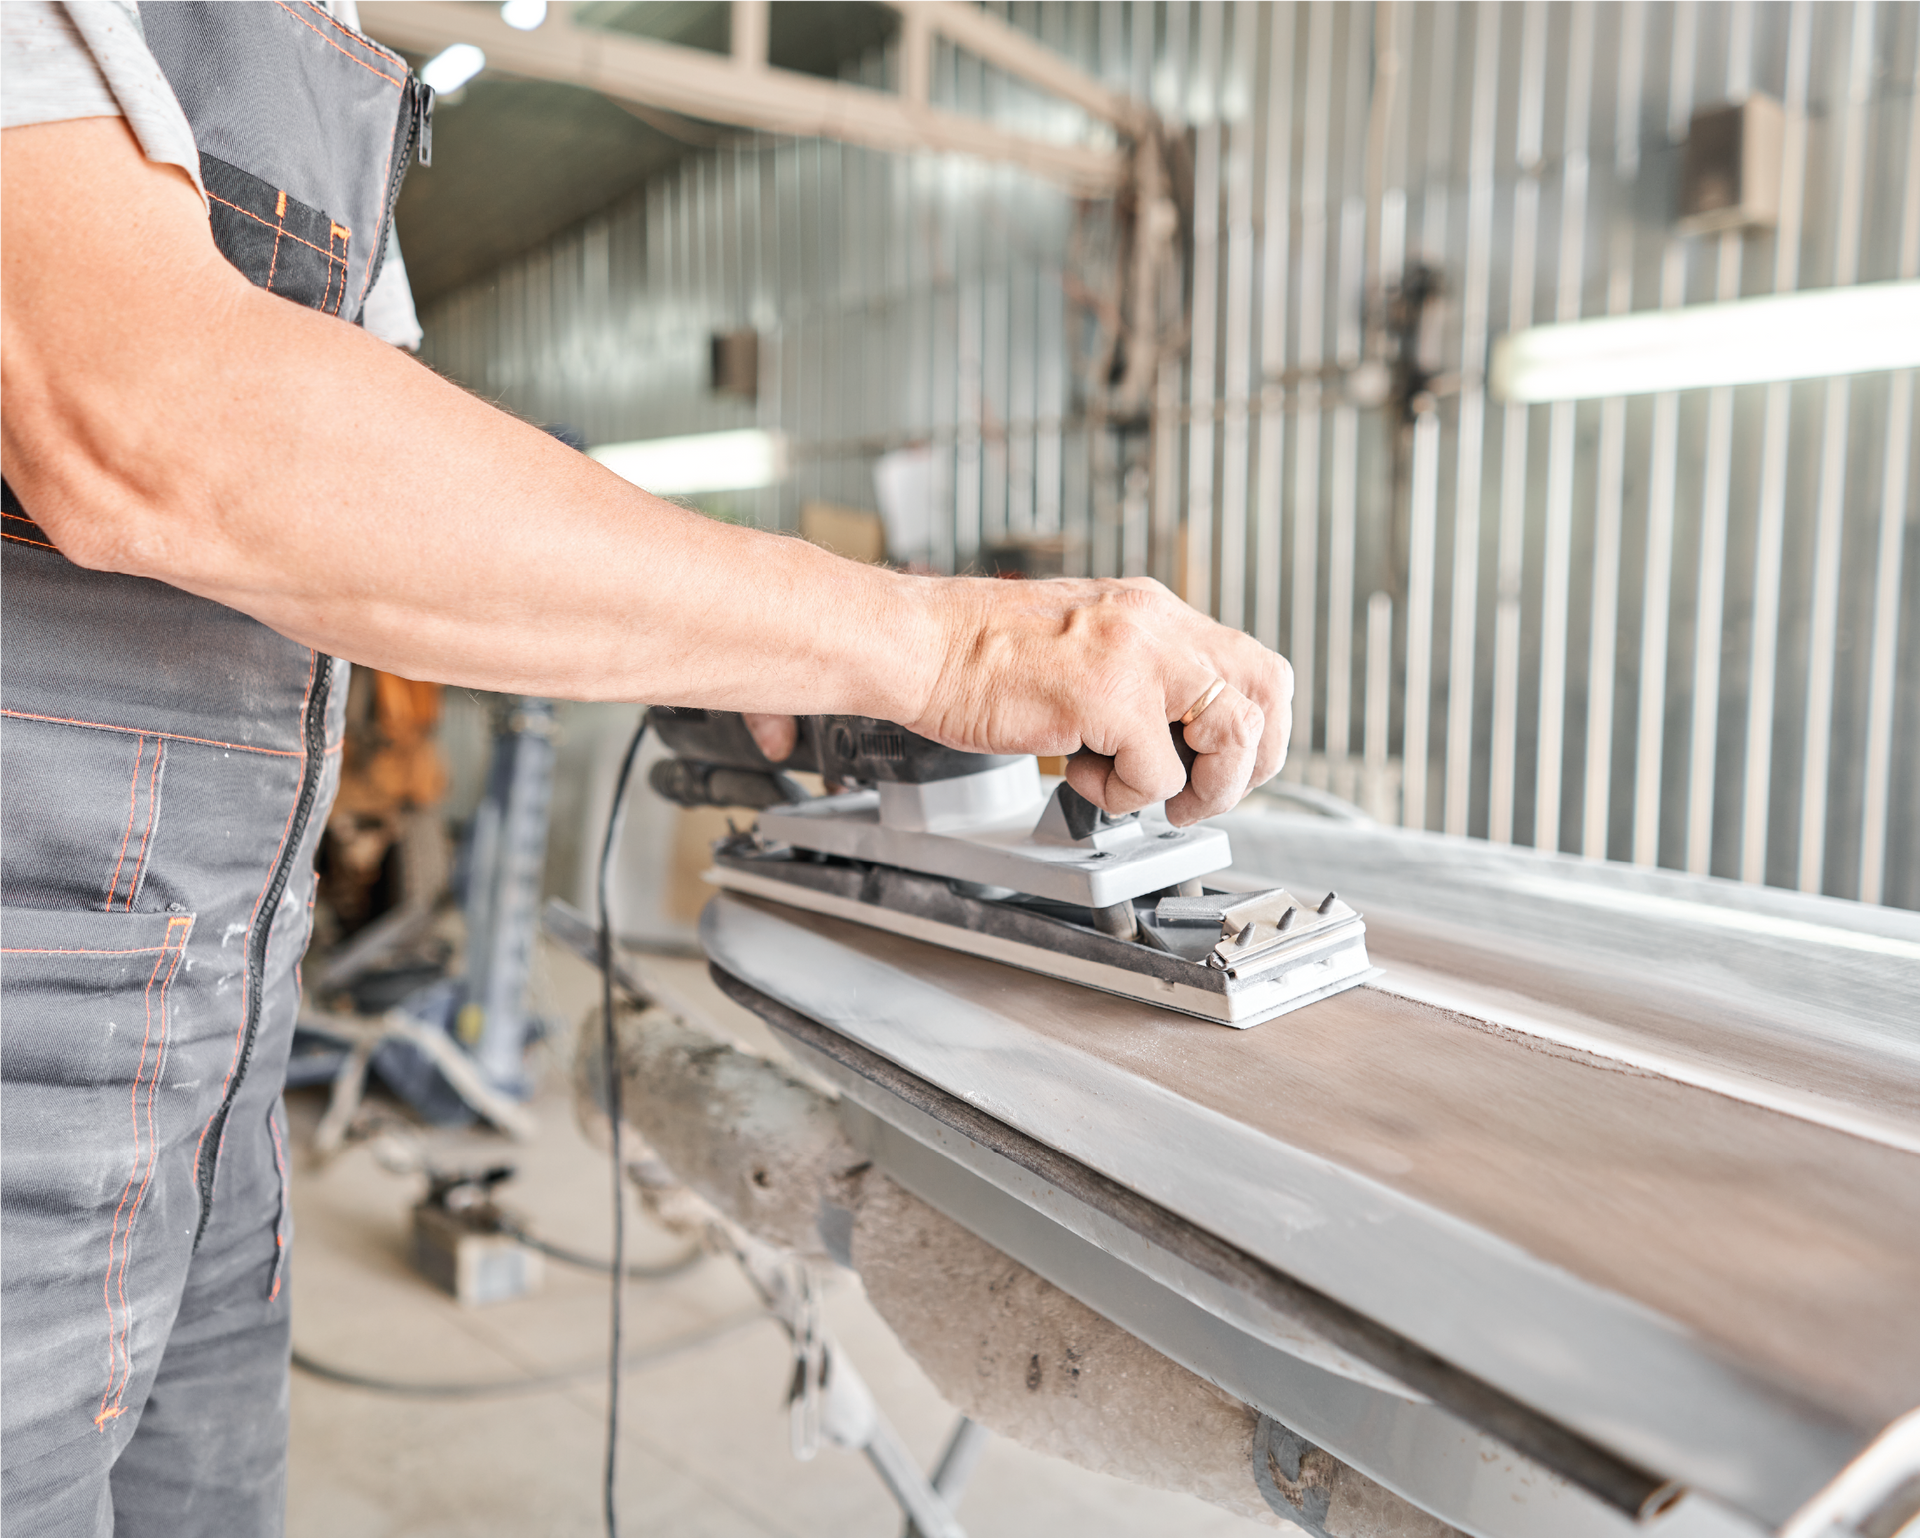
point(423, 118)
point(415, 136)
point(315, 742)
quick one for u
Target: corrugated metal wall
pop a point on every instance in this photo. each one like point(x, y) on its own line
point(1665, 628)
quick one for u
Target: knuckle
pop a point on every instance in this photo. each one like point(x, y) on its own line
point(1275, 676)
point(1241, 727)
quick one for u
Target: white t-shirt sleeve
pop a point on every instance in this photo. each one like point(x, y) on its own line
point(388, 312)
point(48, 69)
point(90, 59)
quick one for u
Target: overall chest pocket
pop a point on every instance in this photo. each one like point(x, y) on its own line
point(97, 1182)
point(305, 128)
point(278, 242)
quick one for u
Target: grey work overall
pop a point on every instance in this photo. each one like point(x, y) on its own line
point(168, 765)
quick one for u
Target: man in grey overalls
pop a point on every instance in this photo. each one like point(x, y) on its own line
point(168, 766)
point(217, 485)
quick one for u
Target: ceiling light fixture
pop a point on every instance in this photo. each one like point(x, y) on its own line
point(452, 67)
point(1808, 335)
point(524, 15)
point(672, 467)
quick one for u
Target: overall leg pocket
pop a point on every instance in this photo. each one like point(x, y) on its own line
point(81, 816)
point(96, 1197)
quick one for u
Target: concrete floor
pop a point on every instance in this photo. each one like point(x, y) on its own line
point(704, 1446)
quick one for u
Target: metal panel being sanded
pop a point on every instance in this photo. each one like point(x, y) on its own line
point(1712, 1290)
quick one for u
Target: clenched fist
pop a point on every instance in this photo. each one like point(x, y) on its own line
point(1096, 671)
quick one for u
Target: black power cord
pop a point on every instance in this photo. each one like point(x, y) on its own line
point(610, 1050)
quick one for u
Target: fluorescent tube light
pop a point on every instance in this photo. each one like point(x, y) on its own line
point(452, 67)
point(671, 467)
point(1809, 335)
point(524, 15)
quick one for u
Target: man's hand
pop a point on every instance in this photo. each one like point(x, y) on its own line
point(1092, 670)
point(1098, 670)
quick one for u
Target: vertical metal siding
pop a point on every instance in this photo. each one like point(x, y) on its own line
point(1675, 629)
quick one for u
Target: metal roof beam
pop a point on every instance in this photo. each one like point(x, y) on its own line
point(1008, 48)
point(743, 90)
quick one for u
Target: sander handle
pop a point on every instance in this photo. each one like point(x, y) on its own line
point(856, 749)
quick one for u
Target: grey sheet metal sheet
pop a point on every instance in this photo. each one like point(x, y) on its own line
point(1709, 1289)
point(1142, 1280)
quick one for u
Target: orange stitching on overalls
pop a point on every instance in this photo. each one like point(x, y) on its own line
point(360, 39)
point(279, 229)
point(119, 1333)
point(21, 539)
point(133, 806)
point(113, 1235)
point(279, 1240)
point(184, 927)
point(343, 235)
point(16, 517)
point(246, 986)
point(332, 44)
point(108, 726)
point(276, 228)
point(146, 837)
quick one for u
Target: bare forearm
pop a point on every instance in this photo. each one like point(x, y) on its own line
point(351, 499)
point(269, 458)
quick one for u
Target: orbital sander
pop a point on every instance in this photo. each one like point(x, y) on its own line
point(982, 853)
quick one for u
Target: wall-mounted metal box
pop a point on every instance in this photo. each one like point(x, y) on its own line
point(734, 363)
point(1730, 171)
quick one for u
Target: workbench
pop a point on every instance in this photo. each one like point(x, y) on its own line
point(1599, 1208)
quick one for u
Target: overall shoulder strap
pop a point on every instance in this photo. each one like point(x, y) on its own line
point(304, 127)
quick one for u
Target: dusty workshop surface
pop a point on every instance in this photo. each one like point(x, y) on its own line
point(705, 1448)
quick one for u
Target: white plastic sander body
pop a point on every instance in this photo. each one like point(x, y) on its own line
point(983, 854)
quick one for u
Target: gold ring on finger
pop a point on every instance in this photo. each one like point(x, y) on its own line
point(1198, 707)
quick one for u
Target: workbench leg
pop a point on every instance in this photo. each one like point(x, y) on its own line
point(928, 1512)
point(956, 1466)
